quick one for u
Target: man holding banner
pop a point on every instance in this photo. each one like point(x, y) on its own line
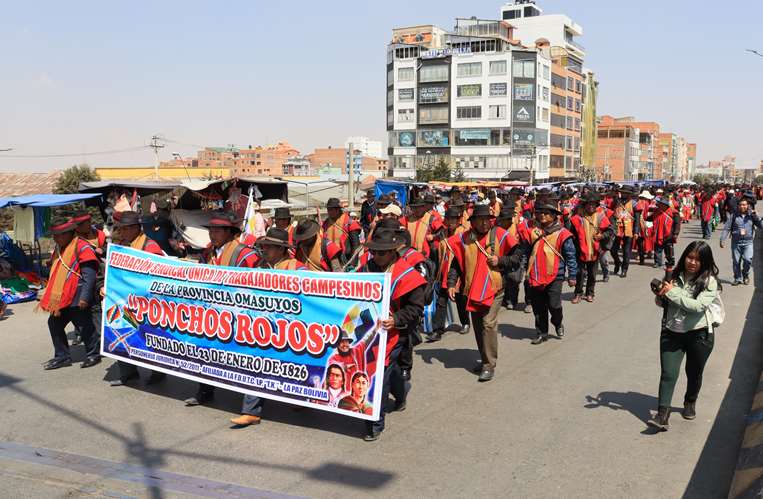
point(224, 250)
point(407, 302)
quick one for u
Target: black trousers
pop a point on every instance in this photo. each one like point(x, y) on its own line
point(547, 301)
point(441, 310)
point(667, 249)
point(626, 243)
point(405, 359)
point(640, 244)
point(82, 320)
point(586, 270)
point(697, 346)
point(393, 383)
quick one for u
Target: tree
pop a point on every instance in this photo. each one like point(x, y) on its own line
point(457, 174)
point(68, 182)
point(429, 172)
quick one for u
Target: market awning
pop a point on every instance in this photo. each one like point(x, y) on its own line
point(46, 200)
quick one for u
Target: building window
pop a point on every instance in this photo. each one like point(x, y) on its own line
point(523, 91)
point(558, 81)
point(578, 105)
point(405, 74)
point(570, 123)
point(497, 67)
point(434, 138)
point(469, 112)
point(570, 103)
point(390, 97)
point(472, 137)
point(570, 83)
point(404, 115)
point(578, 86)
point(545, 94)
point(557, 140)
point(497, 112)
point(469, 90)
point(404, 94)
point(433, 95)
point(437, 72)
point(544, 115)
point(558, 120)
point(546, 72)
point(433, 115)
point(390, 118)
point(524, 69)
point(390, 78)
point(469, 69)
point(498, 89)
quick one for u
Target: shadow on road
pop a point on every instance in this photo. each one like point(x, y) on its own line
point(638, 404)
point(713, 474)
point(516, 333)
point(461, 358)
point(137, 448)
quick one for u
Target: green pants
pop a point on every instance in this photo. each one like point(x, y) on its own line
point(697, 346)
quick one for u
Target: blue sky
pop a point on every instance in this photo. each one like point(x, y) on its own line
point(95, 76)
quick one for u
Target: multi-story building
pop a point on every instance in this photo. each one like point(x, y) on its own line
point(618, 149)
point(366, 146)
point(297, 166)
point(333, 160)
point(691, 152)
point(558, 32)
point(474, 97)
point(668, 151)
point(588, 125)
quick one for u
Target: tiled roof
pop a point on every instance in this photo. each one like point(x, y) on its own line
point(22, 184)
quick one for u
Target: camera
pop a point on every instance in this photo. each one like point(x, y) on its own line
point(656, 285)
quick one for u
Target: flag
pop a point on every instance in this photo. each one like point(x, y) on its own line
point(249, 218)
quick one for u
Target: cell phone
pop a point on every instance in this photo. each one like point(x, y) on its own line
point(656, 285)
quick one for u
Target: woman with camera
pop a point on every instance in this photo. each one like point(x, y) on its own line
point(687, 327)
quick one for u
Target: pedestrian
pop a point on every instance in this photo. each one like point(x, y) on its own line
point(340, 228)
point(741, 225)
point(406, 307)
point(129, 233)
point(645, 241)
point(687, 328)
point(224, 250)
point(707, 210)
point(480, 255)
point(368, 213)
point(315, 251)
point(667, 226)
point(514, 275)
point(590, 228)
point(552, 255)
point(69, 296)
point(627, 225)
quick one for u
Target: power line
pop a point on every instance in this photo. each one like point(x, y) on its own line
point(754, 52)
point(73, 155)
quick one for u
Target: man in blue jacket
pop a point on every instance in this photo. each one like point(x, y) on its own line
point(741, 225)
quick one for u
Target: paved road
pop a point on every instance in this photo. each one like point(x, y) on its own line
point(564, 419)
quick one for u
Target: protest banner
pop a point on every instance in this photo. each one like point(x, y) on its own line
point(272, 333)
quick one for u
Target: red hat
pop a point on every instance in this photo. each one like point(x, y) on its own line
point(222, 220)
point(62, 228)
point(81, 217)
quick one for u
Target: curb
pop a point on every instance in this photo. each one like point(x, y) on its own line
point(748, 476)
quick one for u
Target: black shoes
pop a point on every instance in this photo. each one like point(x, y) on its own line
point(617, 269)
point(56, 364)
point(605, 278)
point(624, 273)
point(199, 398)
point(486, 374)
point(372, 436)
point(660, 420)
point(464, 329)
point(124, 380)
point(518, 307)
point(689, 411)
point(91, 361)
point(539, 339)
point(434, 337)
point(406, 373)
point(560, 331)
point(400, 406)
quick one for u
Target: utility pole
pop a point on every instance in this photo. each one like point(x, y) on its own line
point(155, 145)
point(6, 150)
point(350, 178)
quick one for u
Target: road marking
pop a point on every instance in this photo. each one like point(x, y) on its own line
point(150, 478)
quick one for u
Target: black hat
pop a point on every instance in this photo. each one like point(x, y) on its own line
point(384, 240)
point(481, 210)
point(662, 200)
point(516, 190)
point(383, 201)
point(629, 190)
point(305, 230)
point(506, 212)
point(224, 220)
point(417, 202)
point(548, 207)
point(275, 237)
point(389, 223)
point(344, 335)
point(452, 212)
point(456, 202)
point(591, 197)
point(429, 198)
point(127, 218)
point(333, 203)
point(749, 195)
point(282, 213)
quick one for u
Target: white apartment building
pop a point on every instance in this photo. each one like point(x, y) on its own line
point(531, 25)
point(366, 146)
point(478, 100)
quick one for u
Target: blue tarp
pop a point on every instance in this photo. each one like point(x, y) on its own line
point(387, 186)
point(46, 200)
